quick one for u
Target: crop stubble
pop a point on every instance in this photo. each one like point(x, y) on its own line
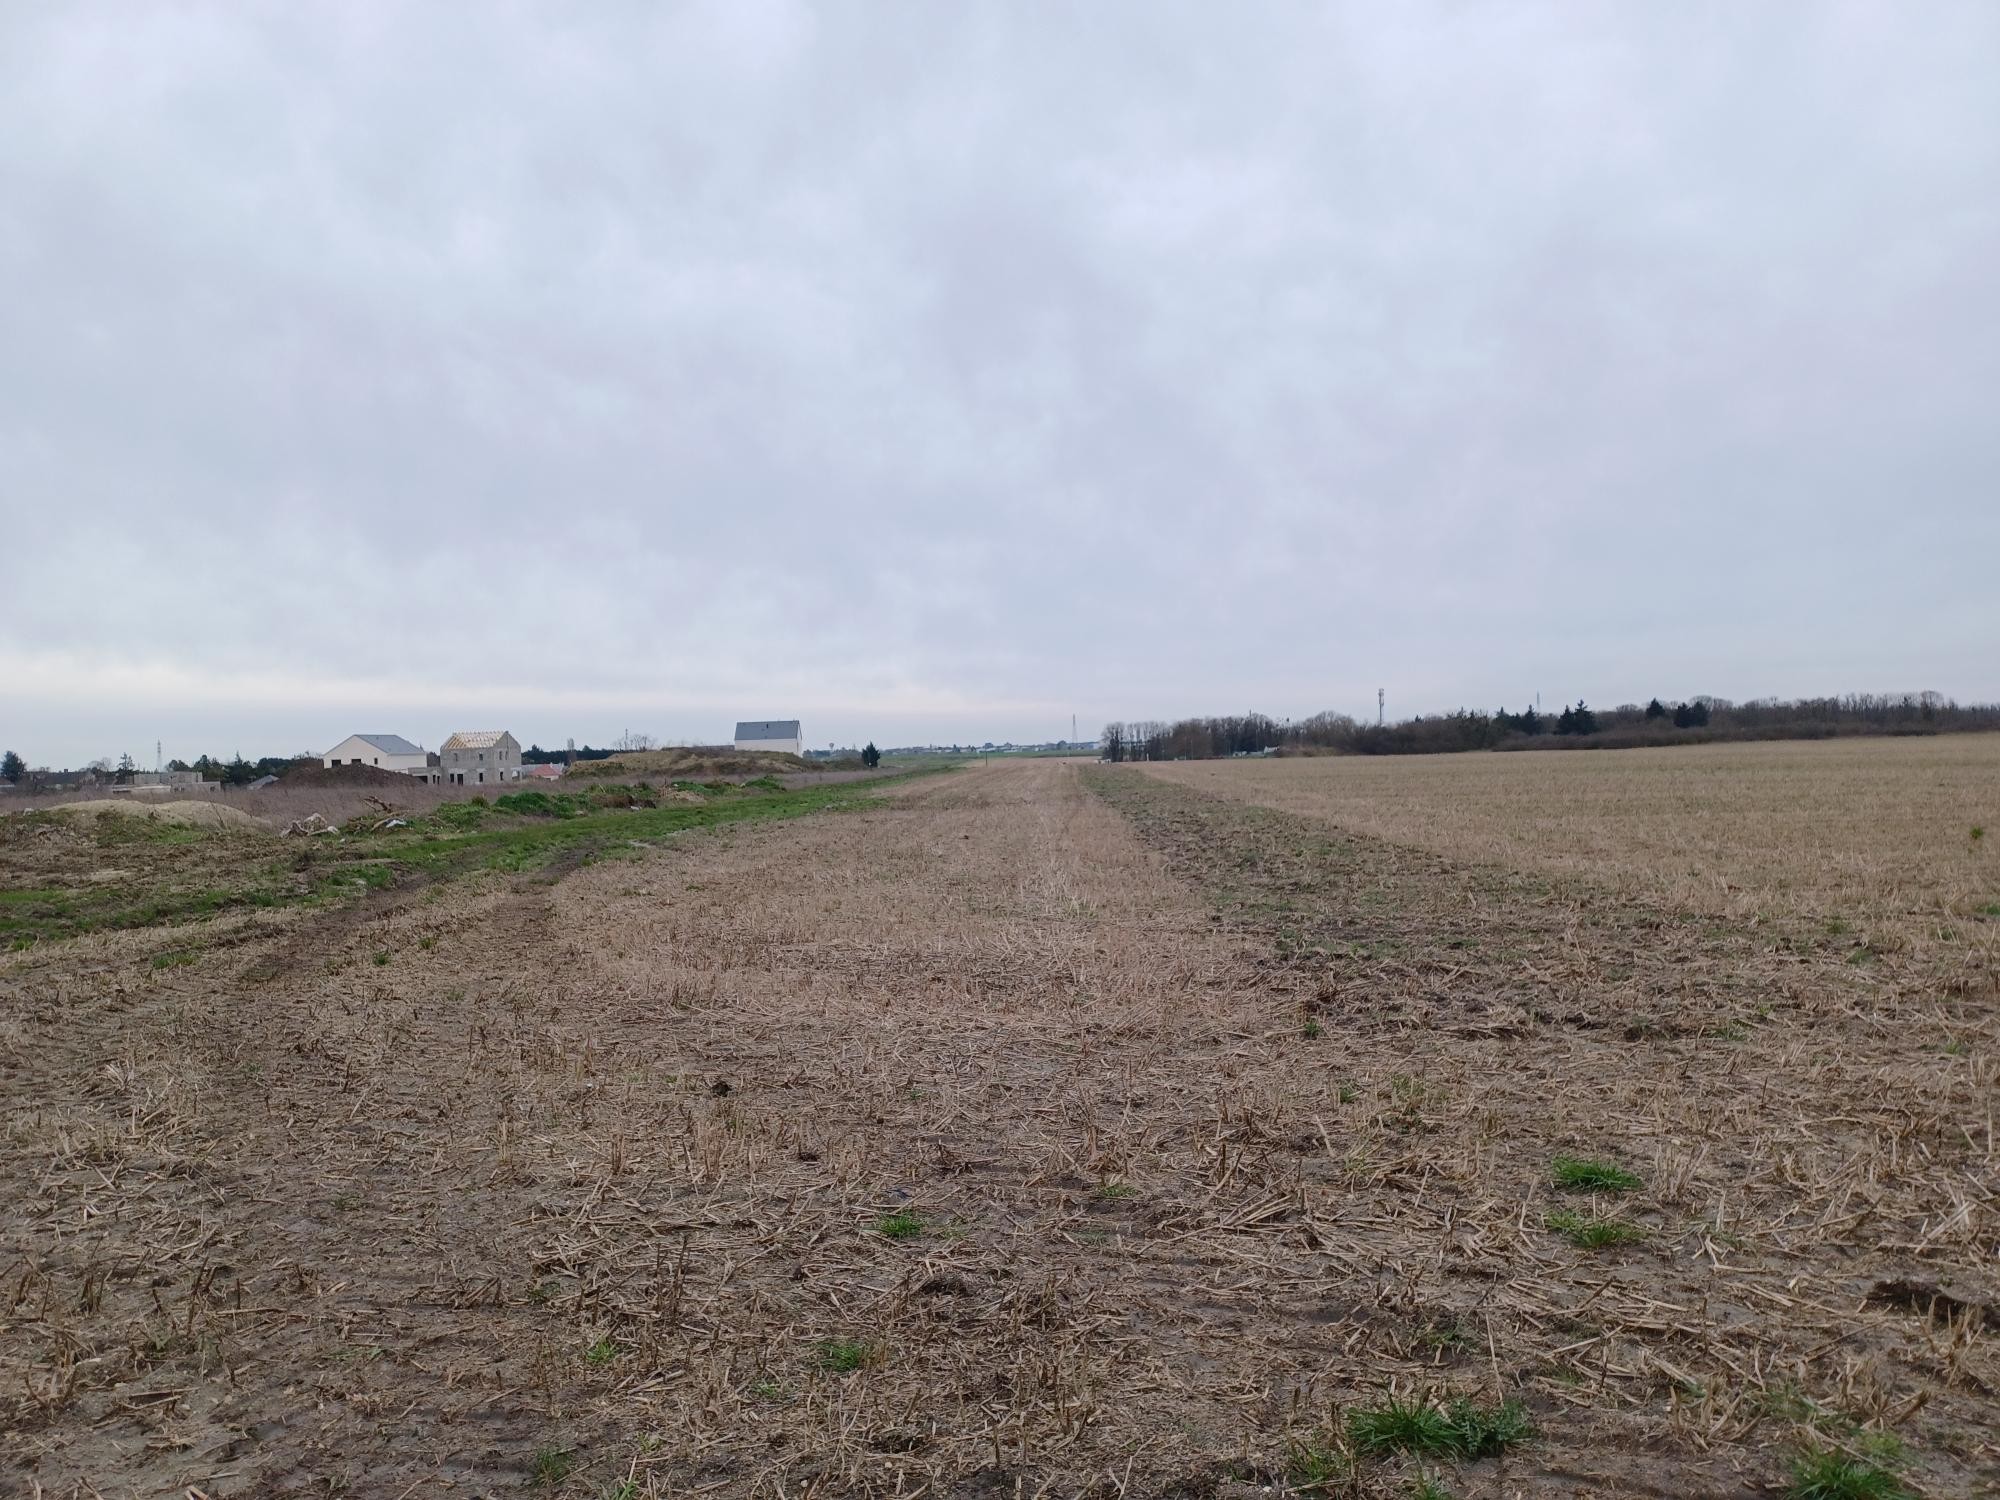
point(1212, 1120)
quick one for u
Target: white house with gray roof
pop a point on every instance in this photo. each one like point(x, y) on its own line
point(476, 757)
point(387, 752)
point(769, 734)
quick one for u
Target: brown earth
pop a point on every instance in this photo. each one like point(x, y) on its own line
point(698, 764)
point(341, 776)
point(184, 813)
point(1123, 1138)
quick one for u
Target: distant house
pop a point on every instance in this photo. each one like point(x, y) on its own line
point(389, 752)
point(769, 734)
point(551, 771)
point(474, 757)
point(263, 781)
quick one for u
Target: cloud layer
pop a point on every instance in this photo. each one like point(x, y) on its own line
point(942, 371)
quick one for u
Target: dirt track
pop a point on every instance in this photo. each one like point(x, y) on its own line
point(1210, 1123)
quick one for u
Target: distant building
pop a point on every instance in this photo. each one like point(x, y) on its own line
point(552, 771)
point(261, 782)
point(769, 734)
point(474, 757)
point(388, 752)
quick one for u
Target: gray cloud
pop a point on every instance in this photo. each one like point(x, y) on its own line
point(943, 371)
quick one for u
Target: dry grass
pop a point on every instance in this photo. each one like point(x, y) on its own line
point(698, 763)
point(275, 806)
point(183, 813)
point(1040, 1133)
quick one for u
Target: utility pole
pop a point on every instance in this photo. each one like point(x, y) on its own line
point(1381, 695)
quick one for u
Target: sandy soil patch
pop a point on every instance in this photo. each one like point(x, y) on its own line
point(183, 814)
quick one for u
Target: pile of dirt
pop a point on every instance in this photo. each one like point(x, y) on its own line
point(316, 776)
point(187, 813)
point(708, 763)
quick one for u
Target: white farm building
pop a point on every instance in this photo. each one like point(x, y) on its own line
point(389, 752)
point(474, 757)
point(769, 734)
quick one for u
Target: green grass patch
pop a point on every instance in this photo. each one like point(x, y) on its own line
point(1579, 1174)
point(551, 1465)
point(234, 869)
point(601, 1353)
point(1828, 1474)
point(1589, 1232)
point(114, 830)
point(1459, 1429)
point(901, 1225)
point(175, 960)
point(34, 896)
point(1402, 1426)
point(844, 1356)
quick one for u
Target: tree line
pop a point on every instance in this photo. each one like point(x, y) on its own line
point(1577, 726)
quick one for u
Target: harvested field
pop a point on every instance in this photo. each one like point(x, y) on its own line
point(1032, 1130)
point(1845, 830)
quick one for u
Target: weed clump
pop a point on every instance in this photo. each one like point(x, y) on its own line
point(1577, 1174)
point(1592, 1233)
point(1400, 1426)
point(1828, 1474)
point(551, 1465)
point(844, 1356)
point(901, 1225)
point(1318, 1464)
point(1461, 1429)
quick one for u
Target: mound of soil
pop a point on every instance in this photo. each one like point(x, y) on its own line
point(315, 776)
point(196, 814)
point(718, 763)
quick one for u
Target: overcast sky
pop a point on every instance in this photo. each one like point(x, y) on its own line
point(940, 371)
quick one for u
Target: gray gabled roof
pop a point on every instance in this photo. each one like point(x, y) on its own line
point(767, 729)
point(391, 744)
